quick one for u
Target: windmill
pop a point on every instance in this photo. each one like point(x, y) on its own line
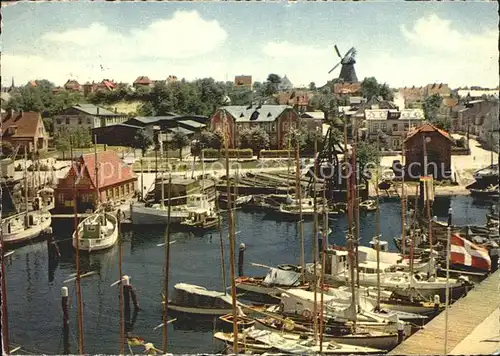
point(347, 72)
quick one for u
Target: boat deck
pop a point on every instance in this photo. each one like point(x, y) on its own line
point(464, 316)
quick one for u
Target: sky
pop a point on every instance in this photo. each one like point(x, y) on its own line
point(400, 43)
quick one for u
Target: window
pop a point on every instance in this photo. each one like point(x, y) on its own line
point(406, 126)
point(394, 127)
point(67, 121)
point(383, 126)
point(273, 127)
point(122, 190)
point(79, 121)
point(89, 122)
point(375, 126)
point(60, 197)
point(58, 121)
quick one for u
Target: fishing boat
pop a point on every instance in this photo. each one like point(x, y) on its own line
point(402, 283)
point(238, 201)
point(197, 300)
point(245, 344)
point(157, 213)
point(368, 205)
point(490, 192)
point(201, 219)
point(243, 322)
point(362, 337)
point(301, 344)
point(23, 227)
point(97, 232)
point(269, 287)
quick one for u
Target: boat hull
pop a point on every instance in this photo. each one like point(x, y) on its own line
point(208, 312)
point(30, 233)
point(92, 244)
point(141, 215)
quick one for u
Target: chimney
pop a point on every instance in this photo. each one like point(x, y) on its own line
point(116, 110)
point(98, 111)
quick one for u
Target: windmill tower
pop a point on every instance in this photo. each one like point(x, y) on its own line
point(347, 72)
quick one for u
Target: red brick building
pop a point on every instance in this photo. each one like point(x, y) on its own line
point(438, 145)
point(116, 181)
point(276, 120)
point(24, 129)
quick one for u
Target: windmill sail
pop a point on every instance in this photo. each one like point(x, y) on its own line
point(347, 72)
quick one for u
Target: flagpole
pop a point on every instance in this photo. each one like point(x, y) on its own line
point(447, 301)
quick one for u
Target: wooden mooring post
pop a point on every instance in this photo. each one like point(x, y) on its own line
point(64, 305)
point(241, 257)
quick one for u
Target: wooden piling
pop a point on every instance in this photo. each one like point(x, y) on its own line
point(64, 305)
point(241, 257)
point(126, 297)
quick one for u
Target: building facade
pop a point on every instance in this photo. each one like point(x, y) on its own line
point(437, 144)
point(24, 129)
point(87, 116)
point(276, 120)
point(243, 81)
point(113, 179)
point(394, 124)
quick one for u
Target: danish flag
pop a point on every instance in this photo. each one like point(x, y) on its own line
point(464, 252)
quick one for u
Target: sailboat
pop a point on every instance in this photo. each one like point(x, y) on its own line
point(27, 225)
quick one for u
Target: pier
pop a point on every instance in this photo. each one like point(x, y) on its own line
point(473, 325)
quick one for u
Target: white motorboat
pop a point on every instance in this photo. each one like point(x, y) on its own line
point(99, 231)
point(368, 205)
point(157, 214)
point(402, 283)
point(23, 227)
point(197, 300)
point(297, 344)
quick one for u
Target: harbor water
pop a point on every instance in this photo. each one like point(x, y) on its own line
point(34, 287)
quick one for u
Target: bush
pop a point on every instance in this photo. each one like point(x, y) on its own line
point(276, 154)
point(232, 153)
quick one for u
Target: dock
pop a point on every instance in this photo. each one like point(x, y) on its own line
point(471, 319)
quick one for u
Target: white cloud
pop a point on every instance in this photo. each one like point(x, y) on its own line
point(185, 35)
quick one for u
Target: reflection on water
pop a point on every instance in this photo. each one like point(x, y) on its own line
point(34, 299)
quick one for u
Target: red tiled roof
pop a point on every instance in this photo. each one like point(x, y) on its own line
point(26, 123)
point(111, 169)
point(142, 80)
point(109, 84)
point(427, 127)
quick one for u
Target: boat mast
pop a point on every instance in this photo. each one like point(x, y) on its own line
point(288, 167)
point(427, 200)
point(5, 323)
point(298, 196)
point(355, 188)
point(323, 263)
point(162, 204)
point(315, 239)
point(120, 271)
point(377, 233)
point(231, 237)
point(77, 258)
point(26, 206)
point(403, 198)
point(96, 168)
point(349, 232)
point(167, 265)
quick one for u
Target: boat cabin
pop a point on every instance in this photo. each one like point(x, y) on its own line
point(95, 227)
point(188, 295)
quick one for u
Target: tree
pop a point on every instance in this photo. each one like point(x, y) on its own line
point(272, 84)
point(255, 138)
point(312, 86)
point(442, 124)
point(431, 107)
point(367, 155)
point(310, 137)
point(294, 136)
point(7, 149)
point(179, 141)
point(62, 142)
point(142, 141)
point(369, 88)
